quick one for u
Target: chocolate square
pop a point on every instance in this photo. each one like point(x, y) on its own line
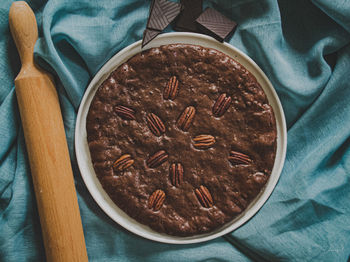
point(213, 23)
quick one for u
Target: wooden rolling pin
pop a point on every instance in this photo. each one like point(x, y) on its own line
point(46, 145)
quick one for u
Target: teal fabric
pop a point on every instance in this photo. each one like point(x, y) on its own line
point(304, 49)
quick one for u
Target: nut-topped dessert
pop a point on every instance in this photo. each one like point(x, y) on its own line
point(182, 138)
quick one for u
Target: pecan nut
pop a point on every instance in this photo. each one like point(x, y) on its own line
point(171, 89)
point(221, 105)
point(157, 159)
point(125, 112)
point(237, 158)
point(123, 162)
point(176, 174)
point(155, 124)
point(186, 118)
point(204, 196)
point(203, 141)
point(156, 200)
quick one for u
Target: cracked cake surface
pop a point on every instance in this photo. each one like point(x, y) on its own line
point(182, 138)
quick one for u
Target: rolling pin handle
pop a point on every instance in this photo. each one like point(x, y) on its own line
point(24, 31)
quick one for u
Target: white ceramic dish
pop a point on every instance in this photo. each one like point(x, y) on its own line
point(83, 154)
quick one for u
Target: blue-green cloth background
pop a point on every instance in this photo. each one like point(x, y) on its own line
point(302, 46)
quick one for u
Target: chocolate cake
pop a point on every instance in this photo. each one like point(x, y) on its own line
point(182, 138)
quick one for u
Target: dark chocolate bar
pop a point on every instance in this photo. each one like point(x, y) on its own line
point(213, 23)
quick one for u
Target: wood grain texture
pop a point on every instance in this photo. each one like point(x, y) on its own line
point(47, 146)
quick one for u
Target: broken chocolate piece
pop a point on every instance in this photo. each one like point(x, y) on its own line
point(187, 19)
point(170, 9)
point(149, 35)
point(157, 20)
point(162, 13)
point(213, 23)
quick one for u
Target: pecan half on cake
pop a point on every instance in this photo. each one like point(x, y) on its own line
point(182, 138)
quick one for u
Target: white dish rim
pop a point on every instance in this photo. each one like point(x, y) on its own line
point(83, 153)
